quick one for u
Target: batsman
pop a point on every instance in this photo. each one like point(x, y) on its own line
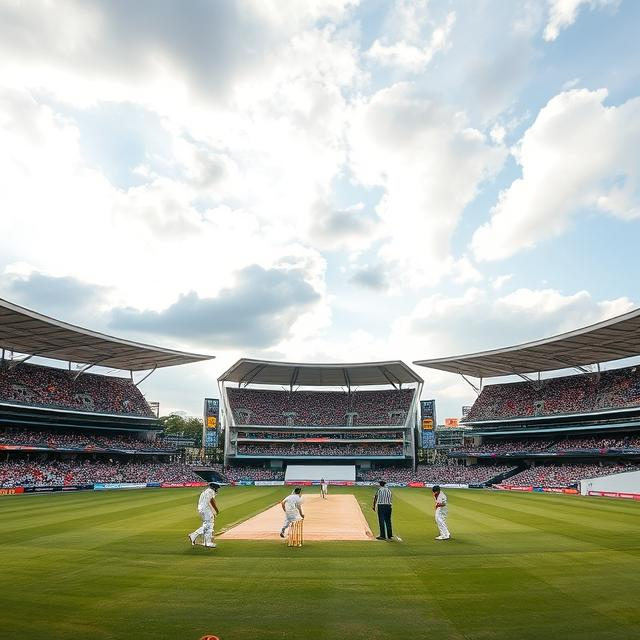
point(292, 507)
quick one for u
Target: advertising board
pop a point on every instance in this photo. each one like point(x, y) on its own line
point(11, 491)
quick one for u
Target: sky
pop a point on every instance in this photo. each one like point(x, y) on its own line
point(320, 181)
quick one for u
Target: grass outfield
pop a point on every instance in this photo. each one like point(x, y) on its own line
point(118, 565)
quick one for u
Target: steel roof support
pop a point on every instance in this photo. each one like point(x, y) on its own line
point(389, 377)
point(347, 379)
point(246, 380)
point(14, 363)
point(294, 378)
point(81, 371)
point(477, 389)
point(155, 366)
point(89, 365)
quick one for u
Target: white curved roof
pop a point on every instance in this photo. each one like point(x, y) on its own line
point(32, 333)
point(247, 371)
point(605, 341)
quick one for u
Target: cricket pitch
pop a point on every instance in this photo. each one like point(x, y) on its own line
point(339, 517)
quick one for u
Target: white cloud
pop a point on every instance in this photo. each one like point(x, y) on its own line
point(497, 133)
point(430, 163)
point(570, 84)
point(563, 13)
point(409, 54)
point(578, 155)
point(478, 320)
point(146, 245)
point(263, 133)
point(499, 281)
point(350, 228)
point(254, 147)
point(463, 271)
point(148, 53)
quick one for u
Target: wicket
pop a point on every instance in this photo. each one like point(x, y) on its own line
point(295, 538)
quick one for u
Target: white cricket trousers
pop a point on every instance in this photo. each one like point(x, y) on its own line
point(206, 530)
point(289, 518)
point(441, 521)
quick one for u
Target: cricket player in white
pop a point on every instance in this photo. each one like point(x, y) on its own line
point(292, 507)
point(324, 488)
point(441, 512)
point(206, 508)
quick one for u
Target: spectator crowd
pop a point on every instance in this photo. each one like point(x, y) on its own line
point(35, 385)
point(566, 475)
point(595, 444)
point(614, 389)
point(324, 435)
point(235, 474)
point(437, 473)
point(319, 408)
point(18, 437)
point(60, 473)
point(320, 449)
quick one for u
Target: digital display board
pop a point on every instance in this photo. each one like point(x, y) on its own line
point(211, 422)
point(427, 423)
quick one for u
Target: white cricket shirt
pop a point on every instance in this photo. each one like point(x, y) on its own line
point(291, 503)
point(204, 502)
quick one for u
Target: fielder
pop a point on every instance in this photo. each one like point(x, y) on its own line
point(324, 488)
point(206, 508)
point(292, 507)
point(441, 512)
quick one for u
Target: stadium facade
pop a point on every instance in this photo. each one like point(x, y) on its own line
point(558, 432)
point(278, 415)
point(66, 428)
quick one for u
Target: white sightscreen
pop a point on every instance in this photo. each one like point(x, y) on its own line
point(341, 472)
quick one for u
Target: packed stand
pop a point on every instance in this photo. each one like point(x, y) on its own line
point(507, 447)
point(599, 443)
point(438, 473)
point(319, 408)
point(307, 435)
point(59, 473)
point(235, 474)
point(17, 437)
point(596, 444)
point(34, 385)
point(614, 389)
point(565, 475)
point(308, 449)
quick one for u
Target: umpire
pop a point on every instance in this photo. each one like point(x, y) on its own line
point(382, 500)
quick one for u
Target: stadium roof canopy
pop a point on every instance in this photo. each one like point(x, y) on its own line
point(247, 371)
point(605, 341)
point(34, 334)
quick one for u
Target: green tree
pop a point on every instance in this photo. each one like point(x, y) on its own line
point(177, 425)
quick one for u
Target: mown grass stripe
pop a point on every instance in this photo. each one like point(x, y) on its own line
point(118, 565)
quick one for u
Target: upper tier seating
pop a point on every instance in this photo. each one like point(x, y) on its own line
point(33, 385)
point(319, 408)
point(615, 389)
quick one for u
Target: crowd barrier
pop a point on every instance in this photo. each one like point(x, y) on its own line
point(112, 486)
point(530, 488)
point(100, 486)
point(178, 485)
point(615, 494)
point(347, 483)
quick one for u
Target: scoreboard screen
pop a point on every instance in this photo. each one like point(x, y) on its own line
point(211, 422)
point(427, 423)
